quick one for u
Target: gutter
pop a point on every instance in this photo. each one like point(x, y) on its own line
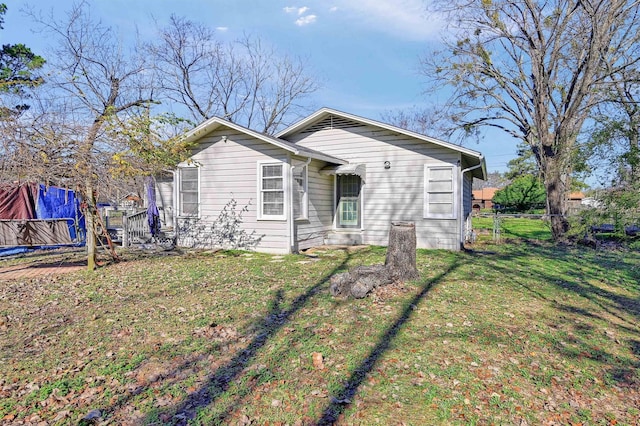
point(462, 224)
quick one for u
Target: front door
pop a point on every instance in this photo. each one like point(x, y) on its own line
point(348, 211)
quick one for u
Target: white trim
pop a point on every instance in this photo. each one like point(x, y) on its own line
point(304, 214)
point(465, 223)
point(180, 212)
point(360, 207)
point(214, 122)
point(454, 192)
point(285, 189)
point(334, 205)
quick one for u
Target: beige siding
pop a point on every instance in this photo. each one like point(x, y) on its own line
point(395, 194)
point(228, 170)
point(311, 232)
point(164, 201)
point(466, 194)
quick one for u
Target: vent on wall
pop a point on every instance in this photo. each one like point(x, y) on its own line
point(332, 122)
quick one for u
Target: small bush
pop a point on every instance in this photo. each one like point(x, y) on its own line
point(225, 232)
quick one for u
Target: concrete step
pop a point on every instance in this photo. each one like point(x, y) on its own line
point(345, 238)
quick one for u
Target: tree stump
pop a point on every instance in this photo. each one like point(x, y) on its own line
point(401, 252)
point(400, 265)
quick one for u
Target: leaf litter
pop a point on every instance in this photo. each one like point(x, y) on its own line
point(157, 340)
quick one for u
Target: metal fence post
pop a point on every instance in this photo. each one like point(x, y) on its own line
point(496, 227)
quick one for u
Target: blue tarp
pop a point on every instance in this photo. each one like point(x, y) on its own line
point(60, 203)
point(52, 203)
point(13, 251)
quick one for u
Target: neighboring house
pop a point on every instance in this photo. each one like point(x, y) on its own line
point(331, 178)
point(574, 202)
point(483, 198)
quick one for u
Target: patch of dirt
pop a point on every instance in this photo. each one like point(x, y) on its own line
point(43, 263)
point(50, 262)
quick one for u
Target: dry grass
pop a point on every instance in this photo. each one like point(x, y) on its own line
point(510, 334)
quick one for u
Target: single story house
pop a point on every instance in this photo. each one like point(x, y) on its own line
point(331, 178)
point(574, 202)
point(483, 198)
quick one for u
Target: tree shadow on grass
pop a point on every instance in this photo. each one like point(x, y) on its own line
point(342, 399)
point(573, 278)
point(611, 291)
point(224, 376)
point(583, 342)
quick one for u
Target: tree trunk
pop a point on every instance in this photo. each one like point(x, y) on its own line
point(400, 265)
point(557, 188)
point(91, 225)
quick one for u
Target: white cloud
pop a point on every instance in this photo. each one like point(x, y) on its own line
point(407, 18)
point(289, 9)
point(333, 9)
point(306, 20)
point(222, 29)
point(302, 10)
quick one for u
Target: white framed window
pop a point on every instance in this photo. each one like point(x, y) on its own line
point(440, 201)
point(189, 191)
point(271, 191)
point(349, 199)
point(300, 192)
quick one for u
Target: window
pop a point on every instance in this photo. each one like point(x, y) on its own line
point(440, 192)
point(271, 190)
point(189, 187)
point(300, 198)
point(348, 196)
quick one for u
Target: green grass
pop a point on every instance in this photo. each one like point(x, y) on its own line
point(513, 228)
point(508, 333)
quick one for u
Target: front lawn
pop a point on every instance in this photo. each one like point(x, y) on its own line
point(518, 333)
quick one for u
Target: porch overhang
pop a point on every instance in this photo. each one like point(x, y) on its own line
point(346, 169)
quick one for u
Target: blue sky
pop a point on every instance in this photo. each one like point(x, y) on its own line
point(364, 52)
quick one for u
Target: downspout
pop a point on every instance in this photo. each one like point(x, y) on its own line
point(292, 234)
point(462, 222)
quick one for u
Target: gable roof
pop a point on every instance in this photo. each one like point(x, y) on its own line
point(215, 122)
point(474, 158)
point(576, 196)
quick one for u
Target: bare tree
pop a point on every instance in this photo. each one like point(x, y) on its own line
point(37, 146)
point(95, 79)
point(493, 180)
point(535, 69)
point(426, 121)
point(244, 81)
point(187, 59)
